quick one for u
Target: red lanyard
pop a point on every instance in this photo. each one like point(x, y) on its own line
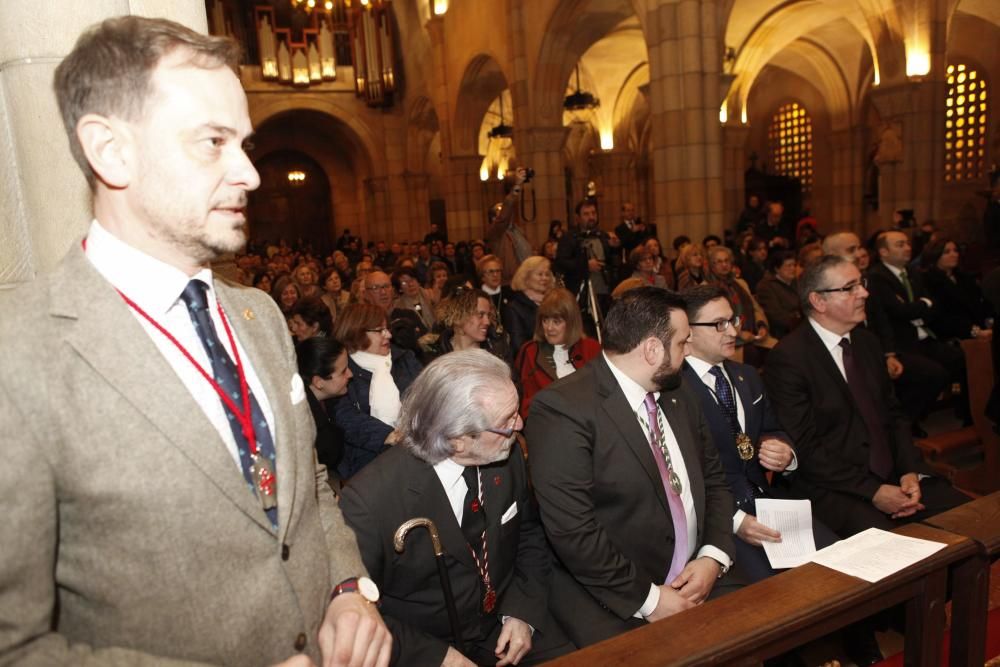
point(244, 416)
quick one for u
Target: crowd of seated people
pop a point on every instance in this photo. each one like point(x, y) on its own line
point(765, 302)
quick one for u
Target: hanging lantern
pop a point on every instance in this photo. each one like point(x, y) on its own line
point(371, 42)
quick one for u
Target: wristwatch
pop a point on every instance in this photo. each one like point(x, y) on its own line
point(364, 586)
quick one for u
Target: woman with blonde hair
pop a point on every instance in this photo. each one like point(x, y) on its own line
point(531, 282)
point(691, 264)
point(558, 348)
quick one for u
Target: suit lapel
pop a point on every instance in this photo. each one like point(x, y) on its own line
point(276, 381)
point(625, 420)
point(425, 497)
point(109, 338)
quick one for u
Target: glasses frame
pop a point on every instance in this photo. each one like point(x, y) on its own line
point(721, 325)
point(505, 432)
point(862, 283)
point(380, 330)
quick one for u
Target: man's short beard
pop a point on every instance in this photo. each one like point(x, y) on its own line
point(666, 378)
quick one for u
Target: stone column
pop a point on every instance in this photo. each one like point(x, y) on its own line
point(848, 186)
point(377, 225)
point(44, 199)
point(464, 200)
point(734, 166)
point(615, 179)
point(910, 148)
point(417, 205)
point(544, 153)
point(685, 54)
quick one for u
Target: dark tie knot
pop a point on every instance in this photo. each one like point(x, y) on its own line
point(846, 345)
point(195, 295)
point(715, 371)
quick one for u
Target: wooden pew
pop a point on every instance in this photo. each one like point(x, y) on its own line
point(791, 609)
point(945, 452)
point(978, 520)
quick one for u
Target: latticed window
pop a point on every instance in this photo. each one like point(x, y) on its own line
point(790, 141)
point(964, 125)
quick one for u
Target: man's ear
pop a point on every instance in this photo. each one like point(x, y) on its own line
point(650, 348)
point(818, 302)
point(107, 144)
point(316, 382)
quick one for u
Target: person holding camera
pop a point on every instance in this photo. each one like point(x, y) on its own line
point(585, 253)
point(505, 235)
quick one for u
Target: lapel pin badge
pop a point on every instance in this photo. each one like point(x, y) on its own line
point(674, 401)
point(740, 377)
point(248, 314)
point(496, 480)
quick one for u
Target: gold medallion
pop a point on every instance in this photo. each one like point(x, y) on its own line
point(744, 447)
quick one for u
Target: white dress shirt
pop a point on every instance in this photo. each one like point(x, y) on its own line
point(636, 396)
point(832, 343)
point(450, 474)
point(156, 287)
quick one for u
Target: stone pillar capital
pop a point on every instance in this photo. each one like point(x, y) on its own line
point(536, 139)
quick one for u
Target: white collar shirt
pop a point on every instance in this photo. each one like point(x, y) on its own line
point(156, 287)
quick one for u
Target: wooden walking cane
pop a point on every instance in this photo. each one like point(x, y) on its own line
point(439, 557)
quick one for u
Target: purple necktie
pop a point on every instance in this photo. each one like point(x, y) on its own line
point(673, 499)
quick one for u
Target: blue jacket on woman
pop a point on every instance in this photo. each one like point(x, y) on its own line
point(364, 435)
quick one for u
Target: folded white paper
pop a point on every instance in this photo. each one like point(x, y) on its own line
point(875, 554)
point(793, 519)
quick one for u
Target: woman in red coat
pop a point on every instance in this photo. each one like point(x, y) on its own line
point(558, 348)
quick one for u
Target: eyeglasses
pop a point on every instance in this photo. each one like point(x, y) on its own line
point(850, 287)
point(380, 330)
point(380, 288)
point(505, 432)
point(491, 271)
point(721, 325)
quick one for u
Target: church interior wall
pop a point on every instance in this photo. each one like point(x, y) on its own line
point(670, 151)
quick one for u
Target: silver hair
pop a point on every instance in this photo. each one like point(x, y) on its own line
point(814, 278)
point(449, 399)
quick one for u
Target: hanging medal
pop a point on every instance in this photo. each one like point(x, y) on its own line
point(744, 446)
point(490, 595)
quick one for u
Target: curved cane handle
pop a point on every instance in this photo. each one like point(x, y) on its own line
point(406, 526)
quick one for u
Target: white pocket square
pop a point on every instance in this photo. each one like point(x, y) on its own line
point(509, 514)
point(298, 392)
point(759, 399)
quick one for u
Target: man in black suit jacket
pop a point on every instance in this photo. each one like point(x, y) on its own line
point(744, 427)
point(457, 427)
point(605, 443)
point(910, 311)
point(632, 231)
point(857, 462)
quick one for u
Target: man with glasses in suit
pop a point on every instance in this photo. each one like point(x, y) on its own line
point(832, 393)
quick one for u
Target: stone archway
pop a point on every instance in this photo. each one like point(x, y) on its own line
point(341, 157)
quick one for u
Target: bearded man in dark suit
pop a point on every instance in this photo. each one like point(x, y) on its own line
point(632, 495)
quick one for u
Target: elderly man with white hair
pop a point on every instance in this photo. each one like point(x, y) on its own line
point(458, 463)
